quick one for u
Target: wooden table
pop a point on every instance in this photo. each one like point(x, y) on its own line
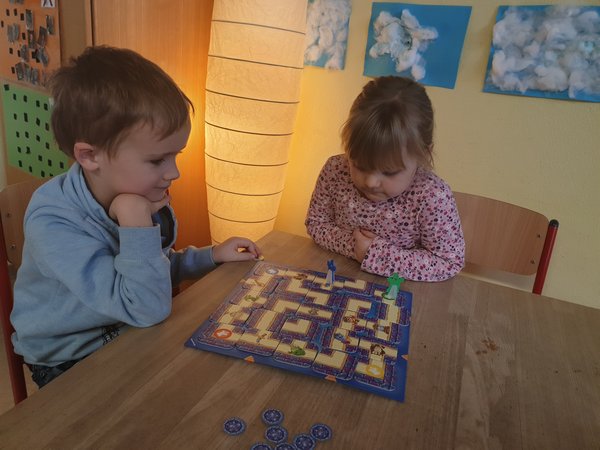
point(489, 367)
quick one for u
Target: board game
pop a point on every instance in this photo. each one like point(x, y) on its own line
point(344, 330)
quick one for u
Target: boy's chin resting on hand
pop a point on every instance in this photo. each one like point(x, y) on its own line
point(132, 210)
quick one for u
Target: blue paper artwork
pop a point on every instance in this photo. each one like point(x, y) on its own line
point(423, 42)
point(546, 51)
point(327, 33)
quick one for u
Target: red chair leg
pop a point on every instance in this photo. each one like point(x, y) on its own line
point(15, 362)
point(540, 276)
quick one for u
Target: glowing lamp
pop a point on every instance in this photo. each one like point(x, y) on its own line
point(255, 62)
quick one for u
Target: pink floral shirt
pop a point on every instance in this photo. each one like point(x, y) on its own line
point(419, 235)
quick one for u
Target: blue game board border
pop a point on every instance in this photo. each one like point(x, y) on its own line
point(398, 387)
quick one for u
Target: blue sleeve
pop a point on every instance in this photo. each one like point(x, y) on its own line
point(129, 283)
point(190, 263)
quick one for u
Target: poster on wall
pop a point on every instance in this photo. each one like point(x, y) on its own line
point(546, 51)
point(327, 33)
point(30, 144)
point(29, 40)
point(423, 42)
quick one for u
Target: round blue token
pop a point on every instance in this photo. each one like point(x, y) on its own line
point(272, 416)
point(321, 432)
point(261, 446)
point(234, 426)
point(284, 446)
point(276, 433)
point(304, 442)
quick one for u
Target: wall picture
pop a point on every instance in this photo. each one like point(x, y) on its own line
point(327, 33)
point(423, 42)
point(546, 51)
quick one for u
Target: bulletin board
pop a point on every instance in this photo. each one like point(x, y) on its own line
point(29, 40)
point(30, 143)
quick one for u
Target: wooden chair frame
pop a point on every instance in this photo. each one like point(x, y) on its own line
point(506, 237)
point(13, 203)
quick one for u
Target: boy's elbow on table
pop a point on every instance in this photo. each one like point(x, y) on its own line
point(142, 314)
point(149, 320)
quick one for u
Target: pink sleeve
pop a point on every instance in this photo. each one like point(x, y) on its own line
point(320, 220)
point(440, 254)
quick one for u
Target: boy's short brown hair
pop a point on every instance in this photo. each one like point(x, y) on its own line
point(390, 116)
point(106, 92)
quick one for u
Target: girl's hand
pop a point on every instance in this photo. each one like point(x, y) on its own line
point(236, 249)
point(362, 242)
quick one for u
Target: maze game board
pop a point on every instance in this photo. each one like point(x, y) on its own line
point(294, 319)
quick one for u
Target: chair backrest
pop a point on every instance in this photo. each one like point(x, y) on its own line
point(13, 203)
point(506, 237)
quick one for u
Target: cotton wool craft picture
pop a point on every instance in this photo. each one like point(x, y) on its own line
point(546, 51)
point(422, 42)
point(327, 33)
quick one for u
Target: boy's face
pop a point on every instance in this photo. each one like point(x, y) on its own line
point(378, 186)
point(142, 165)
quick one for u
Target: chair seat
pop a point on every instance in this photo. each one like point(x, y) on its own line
point(506, 237)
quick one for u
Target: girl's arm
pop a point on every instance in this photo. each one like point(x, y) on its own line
point(320, 220)
point(440, 254)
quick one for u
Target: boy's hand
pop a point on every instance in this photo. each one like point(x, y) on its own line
point(362, 242)
point(132, 210)
point(236, 249)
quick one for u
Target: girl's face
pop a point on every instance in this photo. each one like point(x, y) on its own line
point(378, 186)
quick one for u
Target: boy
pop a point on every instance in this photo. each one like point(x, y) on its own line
point(97, 253)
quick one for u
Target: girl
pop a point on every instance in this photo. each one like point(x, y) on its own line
point(380, 203)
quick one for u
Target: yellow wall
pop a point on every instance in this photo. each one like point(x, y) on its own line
point(541, 154)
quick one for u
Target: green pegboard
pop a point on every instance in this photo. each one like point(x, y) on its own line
point(29, 141)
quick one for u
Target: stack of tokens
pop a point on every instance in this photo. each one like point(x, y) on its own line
point(304, 442)
point(321, 432)
point(234, 426)
point(261, 446)
point(272, 417)
point(274, 433)
point(277, 435)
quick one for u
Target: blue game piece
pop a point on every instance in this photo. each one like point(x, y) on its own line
point(321, 432)
point(330, 278)
point(304, 442)
point(373, 311)
point(234, 426)
point(261, 446)
point(272, 416)
point(276, 433)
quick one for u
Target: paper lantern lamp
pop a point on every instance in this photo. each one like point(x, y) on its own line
point(255, 62)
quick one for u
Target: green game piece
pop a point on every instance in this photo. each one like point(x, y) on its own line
point(394, 287)
point(298, 351)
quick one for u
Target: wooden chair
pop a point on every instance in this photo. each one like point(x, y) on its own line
point(506, 237)
point(13, 202)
